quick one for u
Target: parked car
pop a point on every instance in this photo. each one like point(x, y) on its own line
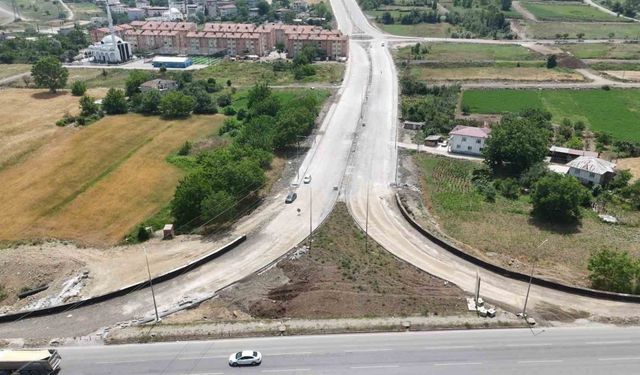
point(291, 197)
point(245, 358)
point(307, 179)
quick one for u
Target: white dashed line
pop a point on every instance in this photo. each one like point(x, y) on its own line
point(525, 345)
point(458, 364)
point(449, 347)
point(542, 361)
point(608, 342)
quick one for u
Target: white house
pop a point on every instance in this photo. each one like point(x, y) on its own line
point(468, 139)
point(591, 170)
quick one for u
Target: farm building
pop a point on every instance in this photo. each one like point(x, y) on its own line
point(468, 139)
point(172, 62)
point(591, 170)
point(413, 125)
point(433, 140)
point(564, 155)
point(162, 85)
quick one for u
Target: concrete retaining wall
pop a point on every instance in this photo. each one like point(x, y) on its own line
point(127, 289)
point(621, 297)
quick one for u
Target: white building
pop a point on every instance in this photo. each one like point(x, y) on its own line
point(105, 52)
point(591, 170)
point(468, 139)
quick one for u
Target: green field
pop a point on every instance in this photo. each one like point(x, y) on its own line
point(614, 111)
point(436, 30)
point(614, 66)
point(591, 30)
point(37, 10)
point(604, 50)
point(460, 52)
point(568, 12)
point(85, 10)
point(503, 231)
point(205, 60)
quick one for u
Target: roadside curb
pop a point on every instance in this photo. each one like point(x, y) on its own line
point(127, 289)
point(592, 293)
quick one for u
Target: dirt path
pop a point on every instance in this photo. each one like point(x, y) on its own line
point(608, 11)
point(13, 78)
point(522, 10)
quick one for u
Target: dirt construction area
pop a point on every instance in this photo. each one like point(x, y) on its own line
point(337, 278)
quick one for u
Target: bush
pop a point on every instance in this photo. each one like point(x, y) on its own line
point(614, 272)
point(114, 102)
point(229, 111)
point(552, 62)
point(185, 149)
point(557, 198)
point(508, 188)
point(224, 100)
point(176, 105)
point(88, 106)
point(3, 293)
point(78, 88)
point(143, 234)
point(150, 102)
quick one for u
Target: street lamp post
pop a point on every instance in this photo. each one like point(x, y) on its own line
point(153, 294)
point(533, 266)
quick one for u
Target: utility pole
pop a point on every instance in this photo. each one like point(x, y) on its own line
point(153, 294)
point(533, 266)
point(310, 216)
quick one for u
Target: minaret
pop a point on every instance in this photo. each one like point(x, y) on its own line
point(113, 37)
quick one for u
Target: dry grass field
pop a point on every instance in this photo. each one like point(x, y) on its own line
point(92, 185)
point(8, 70)
point(632, 164)
point(495, 73)
point(23, 131)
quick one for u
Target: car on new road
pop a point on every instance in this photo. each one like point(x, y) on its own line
point(245, 358)
point(291, 197)
point(307, 179)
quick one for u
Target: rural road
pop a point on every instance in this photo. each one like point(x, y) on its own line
point(567, 351)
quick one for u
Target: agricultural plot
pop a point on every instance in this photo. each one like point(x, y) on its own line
point(568, 11)
point(247, 73)
point(37, 10)
point(613, 111)
point(435, 30)
point(461, 52)
point(80, 187)
point(503, 232)
point(496, 73)
point(604, 50)
point(85, 10)
point(591, 30)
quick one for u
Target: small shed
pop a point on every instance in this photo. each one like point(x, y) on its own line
point(433, 140)
point(167, 232)
point(564, 155)
point(413, 125)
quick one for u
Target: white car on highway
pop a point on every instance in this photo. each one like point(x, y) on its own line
point(307, 179)
point(245, 358)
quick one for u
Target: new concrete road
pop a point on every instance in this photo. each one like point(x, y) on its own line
point(272, 230)
point(370, 193)
point(566, 351)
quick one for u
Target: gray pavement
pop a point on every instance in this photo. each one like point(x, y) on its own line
point(554, 351)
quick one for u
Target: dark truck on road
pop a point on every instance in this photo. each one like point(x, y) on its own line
point(29, 362)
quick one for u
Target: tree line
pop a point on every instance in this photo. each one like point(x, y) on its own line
point(27, 51)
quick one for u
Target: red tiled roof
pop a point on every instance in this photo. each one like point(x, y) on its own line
point(471, 131)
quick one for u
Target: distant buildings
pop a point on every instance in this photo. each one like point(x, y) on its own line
point(468, 139)
point(180, 38)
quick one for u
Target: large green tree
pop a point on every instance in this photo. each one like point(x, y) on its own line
point(134, 80)
point(115, 102)
point(614, 271)
point(48, 72)
point(516, 143)
point(176, 105)
point(557, 198)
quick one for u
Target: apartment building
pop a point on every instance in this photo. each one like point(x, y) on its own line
point(232, 39)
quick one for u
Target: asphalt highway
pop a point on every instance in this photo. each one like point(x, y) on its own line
point(610, 351)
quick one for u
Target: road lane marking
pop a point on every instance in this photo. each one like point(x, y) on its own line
point(449, 347)
point(367, 350)
point(608, 342)
point(130, 361)
point(298, 353)
point(288, 370)
point(458, 364)
point(620, 359)
point(526, 345)
point(372, 367)
point(541, 361)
